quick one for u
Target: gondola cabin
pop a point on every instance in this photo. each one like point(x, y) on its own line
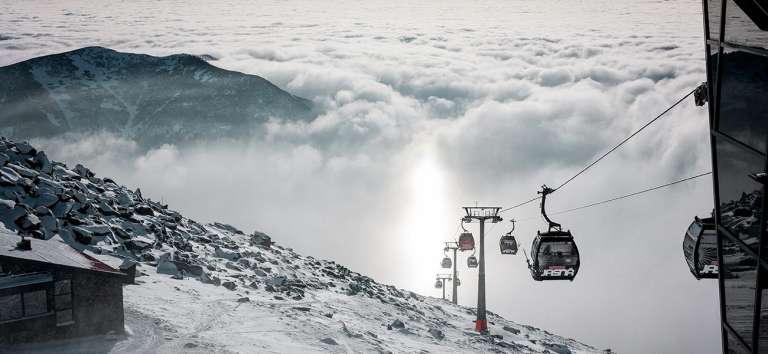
point(700, 248)
point(472, 262)
point(466, 241)
point(446, 263)
point(554, 256)
point(438, 284)
point(508, 244)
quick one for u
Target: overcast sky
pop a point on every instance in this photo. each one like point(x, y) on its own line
point(428, 106)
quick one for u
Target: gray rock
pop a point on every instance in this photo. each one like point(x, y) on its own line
point(106, 209)
point(25, 148)
point(165, 265)
point(23, 171)
point(229, 285)
point(557, 348)
point(436, 333)
point(61, 209)
point(46, 200)
point(210, 279)
point(82, 235)
point(99, 230)
point(226, 254)
point(244, 262)
point(329, 341)
point(8, 176)
point(277, 280)
point(511, 330)
point(82, 171)
point(259, 272)
point(397, 324)
point(6, 205)
point(28, 222)
point(43, 163)
point(261, 239)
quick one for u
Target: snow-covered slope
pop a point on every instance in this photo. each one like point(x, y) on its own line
point(214, 288)
point(150, 99)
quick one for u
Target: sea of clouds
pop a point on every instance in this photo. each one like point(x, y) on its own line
point(425, 107)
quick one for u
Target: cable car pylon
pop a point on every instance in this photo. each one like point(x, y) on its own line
point(481, 214)
point(440, 282)
point(453, 246)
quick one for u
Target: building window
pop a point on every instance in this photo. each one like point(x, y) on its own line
point(744, 87)
point(10, 307)
point(745, 24)
point(740, 195)
point(62, 292)
point(739, 272)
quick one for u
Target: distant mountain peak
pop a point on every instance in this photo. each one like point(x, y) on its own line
point(154, 100)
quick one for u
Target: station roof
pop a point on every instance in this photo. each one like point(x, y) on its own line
point(53, 251)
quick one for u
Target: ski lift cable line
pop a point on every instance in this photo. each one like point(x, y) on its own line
point(626, 195)
point(625, 140)
point(608, 152)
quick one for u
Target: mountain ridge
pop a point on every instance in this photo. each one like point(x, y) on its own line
point(154, 100)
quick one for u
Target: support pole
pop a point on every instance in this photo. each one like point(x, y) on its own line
point(443, 288)
point(454, 299)
point(481, 214)
point(481, 323)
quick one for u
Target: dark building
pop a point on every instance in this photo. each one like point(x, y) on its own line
point(736, 34)
point(52, 291)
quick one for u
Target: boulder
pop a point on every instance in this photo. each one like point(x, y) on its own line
point(25, 148)
point(193, 269)
point(82, 235)
point(28, 222)
point(46, 200)
point(82, 171)
point(226, 254)
point(397, 324)
point(106, 209)
point(8, 176)
point(143, 209)
point(42, 162)
point(278, 280)
point(23, 171)
point(329, 340)
point(511, 330)
point(557, 348)
point(99, 230)
point(61, 209)
point(165, 265)
point(210, 279)
point(436, 333)
point(229, 285)
point(261, 239)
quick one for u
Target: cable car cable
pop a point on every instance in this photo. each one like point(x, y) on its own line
point(626, 195)
point(608, 152)
point(625, 140)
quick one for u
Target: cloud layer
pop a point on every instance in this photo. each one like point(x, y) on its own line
point(427, 107)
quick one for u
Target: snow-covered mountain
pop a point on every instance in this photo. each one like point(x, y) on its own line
point(213, 288)
point(150, 99)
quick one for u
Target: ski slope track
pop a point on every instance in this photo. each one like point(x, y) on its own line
point(215, 289)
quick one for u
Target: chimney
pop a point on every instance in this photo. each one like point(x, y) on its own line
point(24, 244)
